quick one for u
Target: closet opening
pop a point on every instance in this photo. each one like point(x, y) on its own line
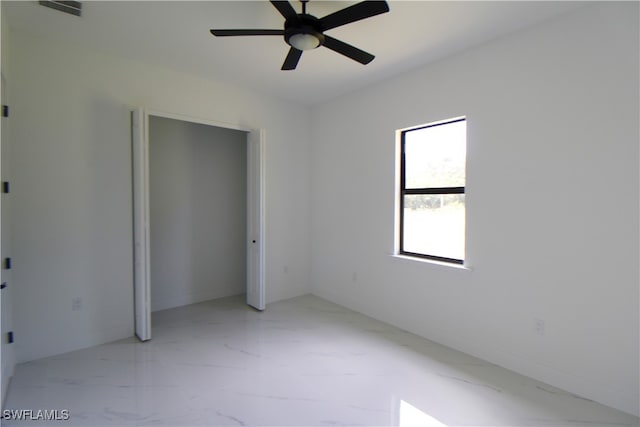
point(198, 214)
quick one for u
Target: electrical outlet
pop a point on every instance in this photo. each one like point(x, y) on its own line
point(76, 304)
point(285, 269)
point(538, 326)
point(354, 277)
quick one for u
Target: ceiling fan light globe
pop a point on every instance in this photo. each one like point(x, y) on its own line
point(304, 41)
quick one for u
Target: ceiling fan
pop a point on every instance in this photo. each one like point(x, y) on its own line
point(303, 31)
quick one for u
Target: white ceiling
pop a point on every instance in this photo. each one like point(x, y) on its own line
point(176, 34)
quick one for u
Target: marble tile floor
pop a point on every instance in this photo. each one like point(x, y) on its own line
point(301, 362)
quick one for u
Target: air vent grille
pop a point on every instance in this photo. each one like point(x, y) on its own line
point(70, 7)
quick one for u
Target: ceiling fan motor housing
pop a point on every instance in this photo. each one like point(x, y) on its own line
point(303, 25)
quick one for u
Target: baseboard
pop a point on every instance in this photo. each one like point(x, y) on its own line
point(182, 300)
point(582, 388)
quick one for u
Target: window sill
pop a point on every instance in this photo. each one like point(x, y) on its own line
point(432, 262)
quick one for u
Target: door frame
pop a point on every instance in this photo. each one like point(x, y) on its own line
point(256, 140)
point(7, 354)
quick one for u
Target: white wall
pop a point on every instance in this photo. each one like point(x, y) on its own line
point(72, 186)
point(198, 204)
point(552, 197)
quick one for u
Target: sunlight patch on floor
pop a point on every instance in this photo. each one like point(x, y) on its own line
point(410, 416)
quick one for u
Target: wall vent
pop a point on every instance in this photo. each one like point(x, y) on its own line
point(71, 7)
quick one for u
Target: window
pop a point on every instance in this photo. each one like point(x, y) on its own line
point(432, 191)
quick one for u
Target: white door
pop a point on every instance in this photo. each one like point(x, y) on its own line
point(141, 279)
point(255, 219)
point(6, 349)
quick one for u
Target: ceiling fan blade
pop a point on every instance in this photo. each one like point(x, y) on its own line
point(229, 33)
point(358, 11)
point(291, 61)
point(347, 50)
point(285, 9)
